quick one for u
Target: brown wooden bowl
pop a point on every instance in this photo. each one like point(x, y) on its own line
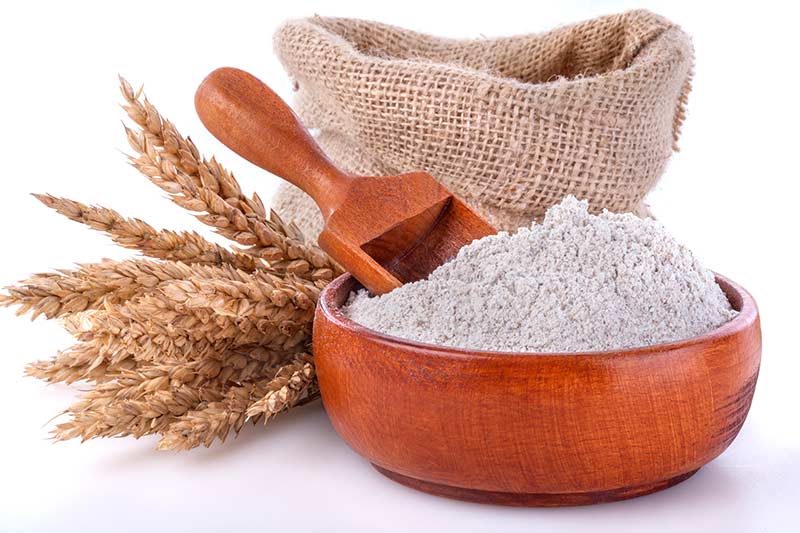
point(536, 429)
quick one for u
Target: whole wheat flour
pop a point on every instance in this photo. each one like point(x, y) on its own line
point(576, 282)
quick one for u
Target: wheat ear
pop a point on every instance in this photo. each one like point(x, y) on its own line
point(115, 409)
point(173, 162)
point(272, 311)
point(201, 427)
point(152, 331)
point(149, 398)
point(90, 286)
point(291, 384)
point(133, 233)
point(80, 362)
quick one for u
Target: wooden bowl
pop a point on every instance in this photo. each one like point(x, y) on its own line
point(536, 429)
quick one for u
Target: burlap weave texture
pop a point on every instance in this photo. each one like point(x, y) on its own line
point(511, 125)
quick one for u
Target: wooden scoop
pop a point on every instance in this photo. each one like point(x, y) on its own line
point(385, 230)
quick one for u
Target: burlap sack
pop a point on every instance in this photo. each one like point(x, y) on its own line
point(511, 125)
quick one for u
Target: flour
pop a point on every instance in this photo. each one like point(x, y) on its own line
point(576, 282)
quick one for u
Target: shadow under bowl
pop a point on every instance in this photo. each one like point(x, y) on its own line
point(534, 429)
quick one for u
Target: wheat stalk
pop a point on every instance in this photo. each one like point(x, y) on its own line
point(133, 233)
point(90, 286)
point(260, 308)
point(192, 343)
point(96, 358)
point(106, 412)
point(101, 357)
point(148, 399)
point(66, 292)
point(275, 303)
point(153, 332)
point(291, 384)
point(203, 186)
point(213, 421)
point(80, 362)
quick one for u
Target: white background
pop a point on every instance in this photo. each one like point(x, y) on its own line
point(730, 194)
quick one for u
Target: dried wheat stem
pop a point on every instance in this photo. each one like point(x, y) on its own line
point(148, 399)
point(151, 332)
point(213, 421)
point(102, 414)
point(173, 163)
point(201, 333)
point(187, 247)
point(290, 387)
point(264, 238)
point(260, 308)
point(96, 358)
point(276, 302)
point(109, 345)
point(92, 285)
point(66, 292)
point(194, 343)
point(291, 384)
point(81, 362)
point(101, 358)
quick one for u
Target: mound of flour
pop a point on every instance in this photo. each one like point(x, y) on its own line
point(576, 282)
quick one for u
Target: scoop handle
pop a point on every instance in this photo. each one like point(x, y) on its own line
point(250, 119)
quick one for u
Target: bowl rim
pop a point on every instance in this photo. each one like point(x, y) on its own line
point(736, 294)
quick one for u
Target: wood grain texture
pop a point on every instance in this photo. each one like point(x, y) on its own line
point(519, 499)
point(536, 429)
point(385, 230)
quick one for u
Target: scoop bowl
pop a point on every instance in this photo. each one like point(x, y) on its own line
point(536, 429)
